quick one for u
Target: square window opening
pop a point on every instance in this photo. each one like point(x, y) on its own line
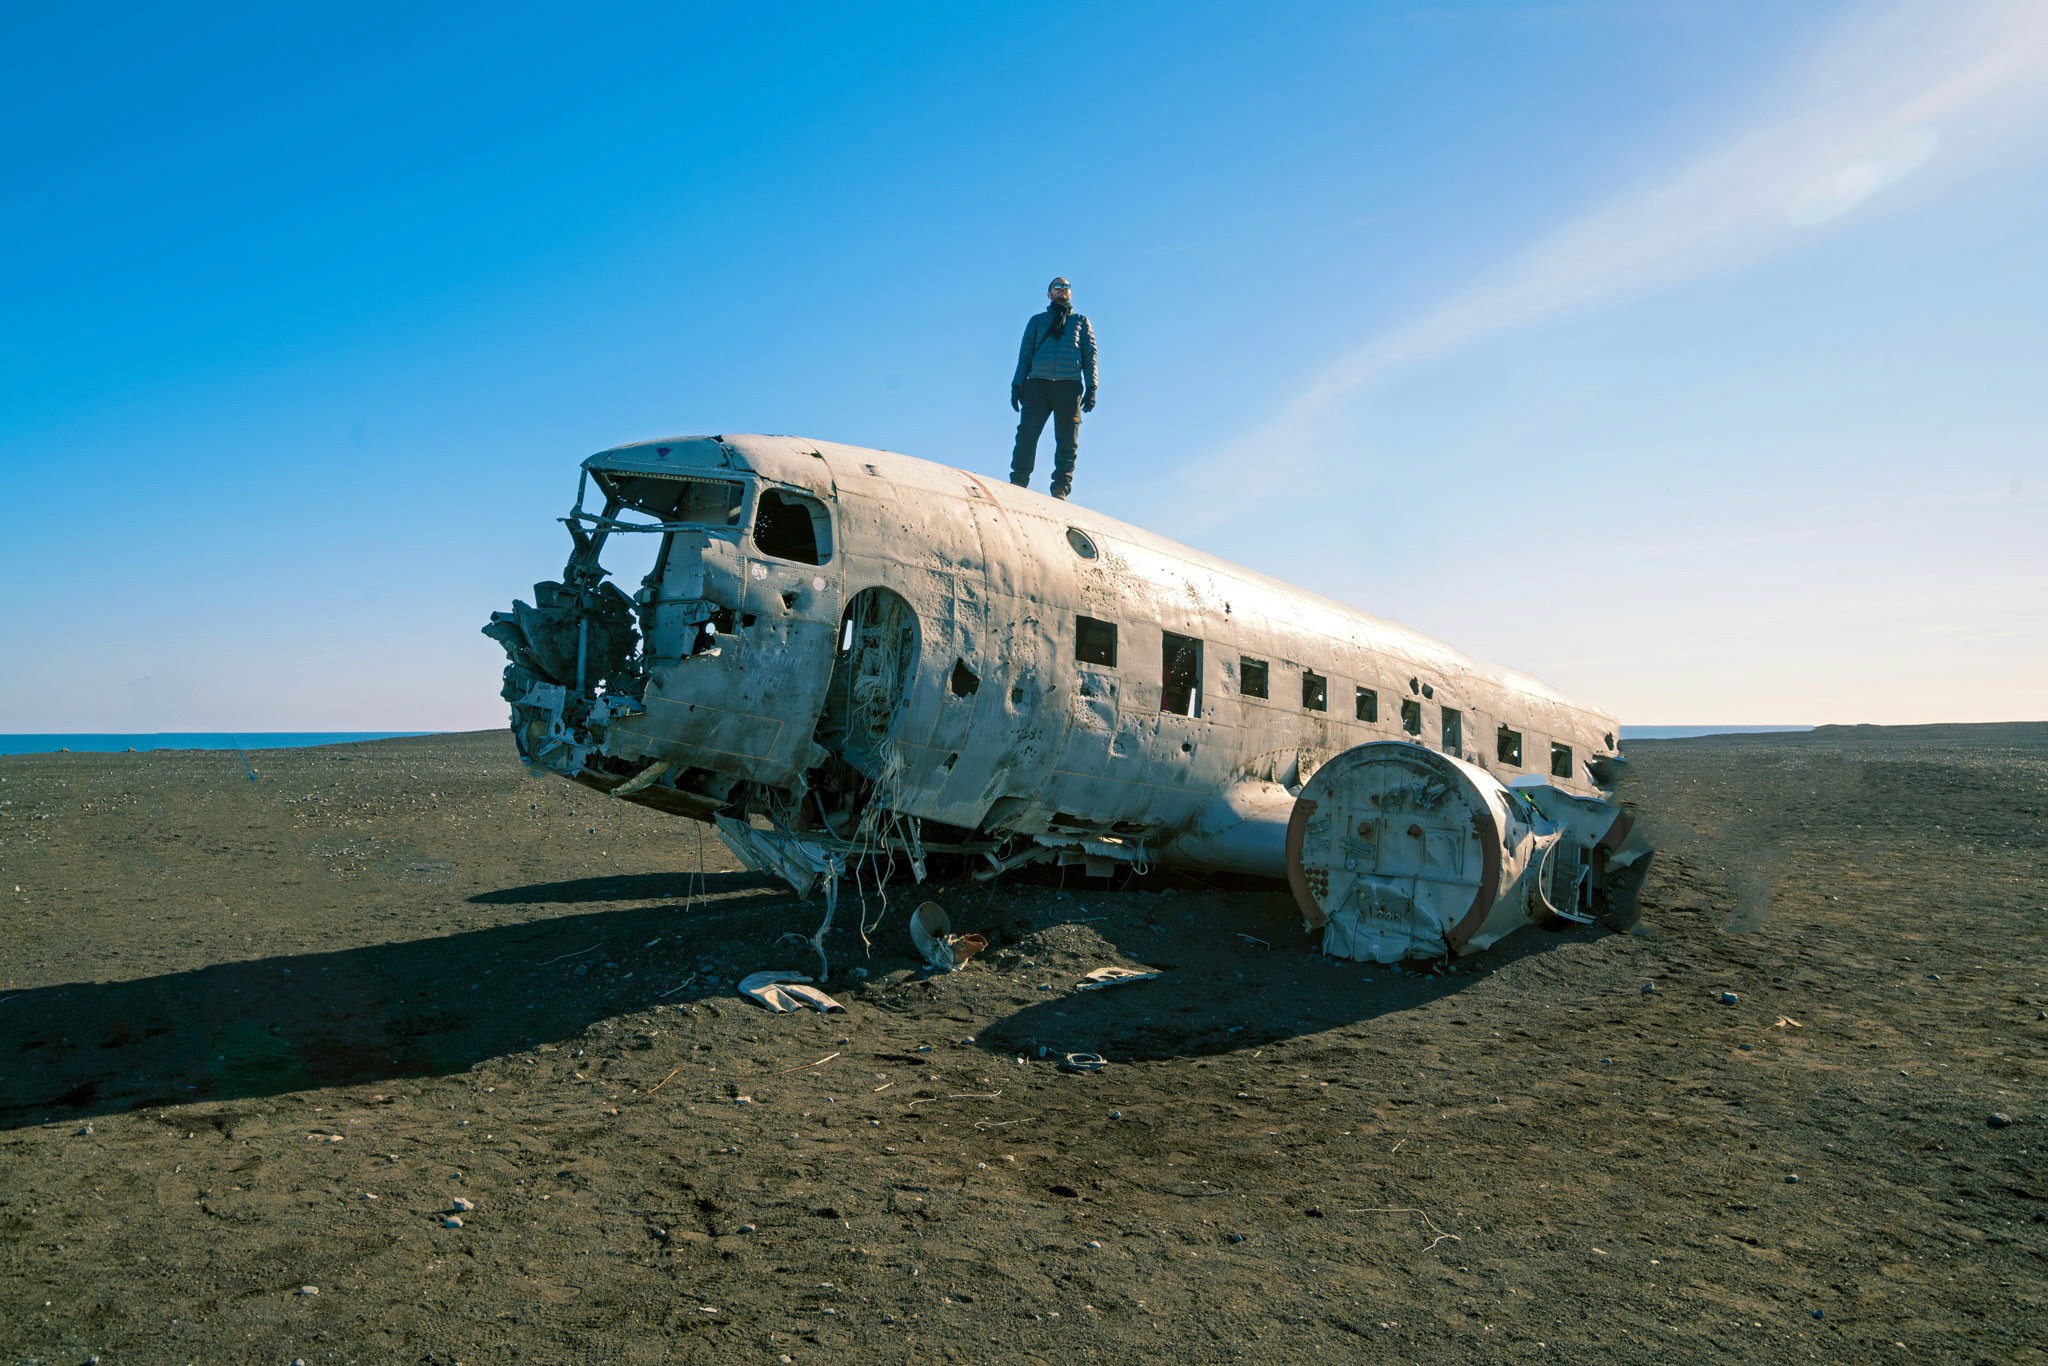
point(1507, 745)
point(1095, 641)
point(1454, 731)
point(790, 526)
point(1180, 668)
point(1315, 691)
point(1560, 760)
point(1368, 705)
point(1411, 716)
point(1251, 676)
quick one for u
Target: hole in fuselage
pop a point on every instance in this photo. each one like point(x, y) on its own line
point(965, 682)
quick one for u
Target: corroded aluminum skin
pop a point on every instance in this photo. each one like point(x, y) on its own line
point(1041, 746)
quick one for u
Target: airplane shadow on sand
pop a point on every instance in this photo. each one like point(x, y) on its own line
point(432, 1007)
point(421, 1007)
point(1215, 995)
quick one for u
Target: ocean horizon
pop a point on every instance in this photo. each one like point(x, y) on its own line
point(120, 743)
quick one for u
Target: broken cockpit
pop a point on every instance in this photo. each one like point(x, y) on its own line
point(674, 688)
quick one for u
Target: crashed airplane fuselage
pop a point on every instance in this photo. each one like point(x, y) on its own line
point(843, 652)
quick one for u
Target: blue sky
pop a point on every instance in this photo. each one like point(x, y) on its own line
point(1690, 355)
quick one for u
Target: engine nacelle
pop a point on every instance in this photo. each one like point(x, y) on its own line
point(1396, 851)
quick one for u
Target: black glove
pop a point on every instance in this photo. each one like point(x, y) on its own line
point(1017, 397)
point(1088, 402)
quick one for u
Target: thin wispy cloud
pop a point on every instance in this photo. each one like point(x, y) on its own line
point(1919, 91)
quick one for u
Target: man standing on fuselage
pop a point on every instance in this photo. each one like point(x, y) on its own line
point(1055, 378)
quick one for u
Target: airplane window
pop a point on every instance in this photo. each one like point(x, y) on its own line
point(1095, 641)
point(1508, 745)
point(1454, 731)
point(1251, 676)
point(1411, 716)
point(702, 502)
point(1078, 539)
point(790, 526)
point(1560, 760)
point(1180, 665)
point(1368, 705)
point(1315, 691)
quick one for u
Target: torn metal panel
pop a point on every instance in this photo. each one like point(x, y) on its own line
point(886, 656)
point(776, 853)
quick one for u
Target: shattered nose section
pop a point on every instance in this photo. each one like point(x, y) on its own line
point(572, 669)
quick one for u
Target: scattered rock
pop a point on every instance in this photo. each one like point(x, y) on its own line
point(1649, 988)
point(461, 1206)
point(309, 1290)
point(452, 1221)
point(1791, 1180)
point(1998, 1119)
point(1729, 998)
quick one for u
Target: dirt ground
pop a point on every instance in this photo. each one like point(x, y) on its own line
point(258, 1037)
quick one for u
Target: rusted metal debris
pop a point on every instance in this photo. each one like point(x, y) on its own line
point(848, 658)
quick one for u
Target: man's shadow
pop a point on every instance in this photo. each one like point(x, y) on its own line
point(622, 887)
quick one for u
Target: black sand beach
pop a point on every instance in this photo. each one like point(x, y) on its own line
point(258, 1038)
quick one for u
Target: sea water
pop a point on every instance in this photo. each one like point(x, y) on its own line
point(194, 739)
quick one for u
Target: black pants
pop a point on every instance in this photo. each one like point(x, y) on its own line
point(1059, 399)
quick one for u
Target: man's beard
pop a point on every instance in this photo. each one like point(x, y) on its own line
point(1061, 310)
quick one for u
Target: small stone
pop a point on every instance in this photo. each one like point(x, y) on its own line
point(1820, 1313)
point(1934, 977)
point(1729, 998)
point(309, 1290)
point(744, 1228)
point(452, 1221)
point(1236, 1237)
point(1095, 1244)
point(1791, 1180)
point(743, 1100)
point(84, 1130)
point(1649, 988)
point(461, 1206)
point(968, 1040)
point(1998, 1119)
